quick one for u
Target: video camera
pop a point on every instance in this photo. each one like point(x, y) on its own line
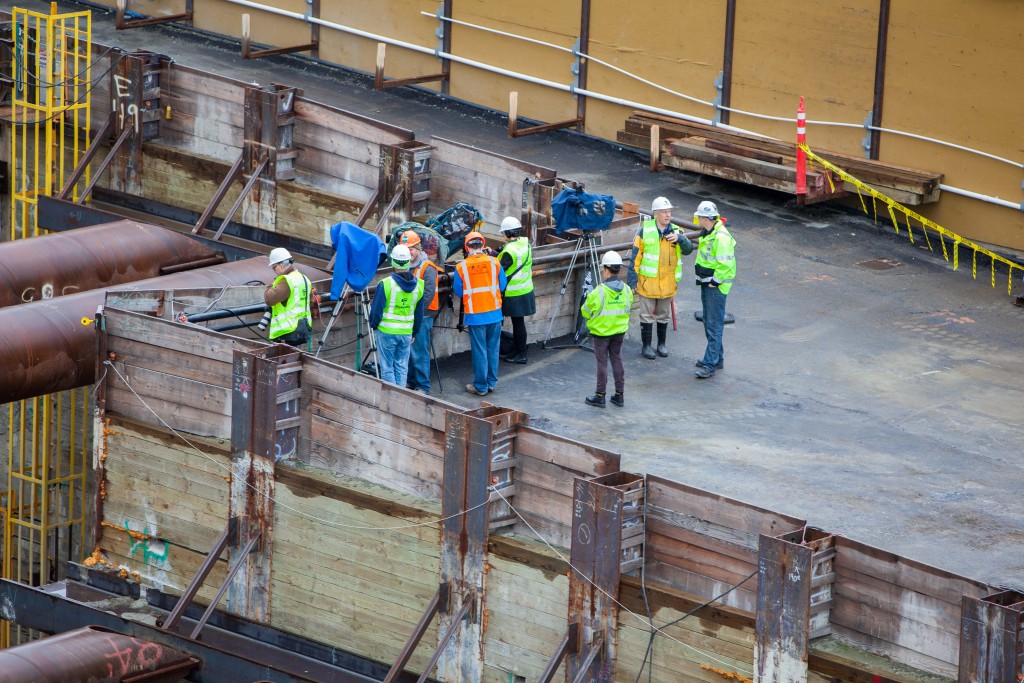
point(576, 210)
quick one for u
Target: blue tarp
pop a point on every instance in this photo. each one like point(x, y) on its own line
point(358, 255)
point(577, 210)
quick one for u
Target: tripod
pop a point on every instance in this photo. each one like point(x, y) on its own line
point(363, 306)
point(587, 245)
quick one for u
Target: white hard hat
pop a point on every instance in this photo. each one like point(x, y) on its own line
point(707, 210)
point(400, 257)
point(279, 255)
point(660, 203)
point(611, 258)
point(509, 223)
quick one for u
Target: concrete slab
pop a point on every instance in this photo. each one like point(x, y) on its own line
point(887, 405)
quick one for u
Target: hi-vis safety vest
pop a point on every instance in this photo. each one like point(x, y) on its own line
point(716, 258)
point(651, 238)
point(522, 265)
point(399, 308)
point(420, 270)
point(285, 317)
point(607, 311)
point(481, 288)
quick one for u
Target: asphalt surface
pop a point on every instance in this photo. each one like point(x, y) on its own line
point(885, 405)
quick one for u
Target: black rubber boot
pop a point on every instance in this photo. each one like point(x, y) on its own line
point(517, 358)
point(618, 399)
point(645, 339)
point(597, 400)
point(662, 333)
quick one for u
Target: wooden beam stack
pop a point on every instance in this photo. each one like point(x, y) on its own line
point(769, 163)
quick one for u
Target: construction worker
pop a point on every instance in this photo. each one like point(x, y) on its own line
point(425, 270)
point(396, 314)
point(715, 268)
point(606, 310)
point(291, 321)
point(479, 281)
point(655, 272)
point(516, 259)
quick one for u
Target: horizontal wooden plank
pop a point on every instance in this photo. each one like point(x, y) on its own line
point(583, 458)
point(897, 653)
point(180, 417)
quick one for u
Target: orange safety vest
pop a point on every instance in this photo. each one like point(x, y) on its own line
point(419, 273)
point(481, 289)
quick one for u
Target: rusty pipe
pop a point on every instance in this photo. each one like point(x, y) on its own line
point(95, 655)
point(105, 255)
point(44, 347)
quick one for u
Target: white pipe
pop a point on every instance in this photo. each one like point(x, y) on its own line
point(982, 197)
point(618, 100)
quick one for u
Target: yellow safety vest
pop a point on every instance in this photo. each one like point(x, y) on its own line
point(285, 317)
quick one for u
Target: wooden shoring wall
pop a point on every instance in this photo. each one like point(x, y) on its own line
point(906, 610)
point(356, 555)
point(702, 543)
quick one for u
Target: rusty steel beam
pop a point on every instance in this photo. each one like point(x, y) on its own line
point(75, 261)
point(200, 577)
point(45, 347)
point(94, 653)
point(218, 197)
point(417, 633)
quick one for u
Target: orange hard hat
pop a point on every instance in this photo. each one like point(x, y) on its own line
point(409, 238)
point(475, 236)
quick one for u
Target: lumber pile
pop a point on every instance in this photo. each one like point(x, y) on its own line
point(771, 163)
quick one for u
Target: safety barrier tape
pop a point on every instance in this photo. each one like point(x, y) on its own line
point(893, 206)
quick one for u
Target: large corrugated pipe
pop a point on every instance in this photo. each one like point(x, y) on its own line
point(93, 655)
point(63, 263)
point(44, 347)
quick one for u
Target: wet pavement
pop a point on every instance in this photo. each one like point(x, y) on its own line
point(886, 405)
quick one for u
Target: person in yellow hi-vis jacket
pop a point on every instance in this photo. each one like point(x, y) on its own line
point(715, 268)
point(606, 311)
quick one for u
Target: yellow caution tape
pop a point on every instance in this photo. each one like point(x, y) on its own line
point(926, 225)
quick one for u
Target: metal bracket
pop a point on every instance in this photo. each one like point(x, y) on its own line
point(719, 83)
point(866, 142)
point(574, 68)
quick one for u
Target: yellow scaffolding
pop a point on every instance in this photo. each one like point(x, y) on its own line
point(48, 438)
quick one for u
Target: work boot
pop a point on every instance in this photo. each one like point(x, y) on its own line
point(597, 400)
point(719, 366)
point(704, 373)
point(645, 339)
point(662, 333)
point(618, 400)
point(517, 358)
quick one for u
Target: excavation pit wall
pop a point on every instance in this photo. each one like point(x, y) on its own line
point(357, 554)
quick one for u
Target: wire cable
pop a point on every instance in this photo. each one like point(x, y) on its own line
point(636, 616)
point(66, 108)
point(278, 503)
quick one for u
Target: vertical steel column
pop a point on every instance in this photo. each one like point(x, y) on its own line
point(730, 39)
point(992, 638)
point(881, 45)
point(794, 590)
point(253, 418)
point(581, 77)
point(259, 156)
point(468, 445)
point(126, 101)
point(596, 556)
point(446, 46)
point(404, 168)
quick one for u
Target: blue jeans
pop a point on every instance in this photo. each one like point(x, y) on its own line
point(419, 357)
point(485, 341)
point(713, 301)
point(393, 354)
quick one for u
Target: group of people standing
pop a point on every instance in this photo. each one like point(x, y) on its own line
point(493, 286)
point(655, 271)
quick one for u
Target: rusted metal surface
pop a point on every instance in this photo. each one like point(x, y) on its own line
point(570, 641)
point(417, 634)
point(95, 655)
point(89, 258)
point(783, 609)
point(881, 48)
point(230, 529)
point(44, 347)
point(991, 638)
point(596, 554)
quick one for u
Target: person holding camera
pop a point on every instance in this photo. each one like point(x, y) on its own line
point(606, 311)
point(291, 321)
point(397, 314)
point(655, 272)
